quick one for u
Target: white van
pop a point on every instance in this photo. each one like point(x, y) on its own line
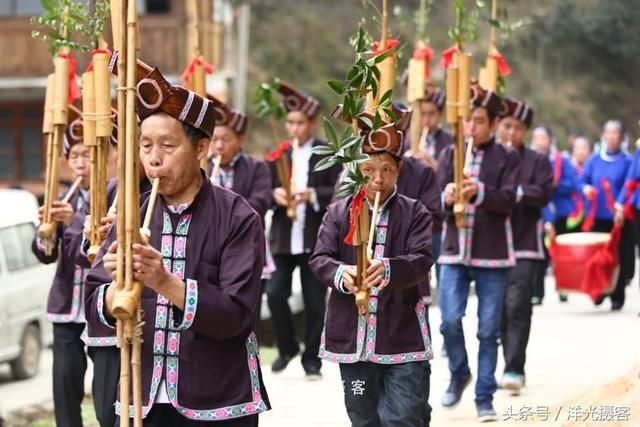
point(24, 286)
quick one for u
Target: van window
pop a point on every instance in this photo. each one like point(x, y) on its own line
point(16, 245)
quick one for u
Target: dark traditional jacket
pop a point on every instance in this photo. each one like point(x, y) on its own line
point(396, 328)
point(322, 182)
point(418, 181)
point(77, 247)
point(535, 187)
point(251, 179)
point(207, 354)
point(436, 142)
point(486, 240)
point(67, 291)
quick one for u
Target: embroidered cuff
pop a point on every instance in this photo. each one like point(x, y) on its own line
point(190, 304)
point(313, 200)
point(338, 283)
point(480, 195)
point(387, 271)
point(100, 305)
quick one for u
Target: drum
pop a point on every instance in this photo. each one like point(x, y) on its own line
point(570, 254)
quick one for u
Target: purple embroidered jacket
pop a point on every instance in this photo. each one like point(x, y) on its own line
point(65, 295)
point(534, 192)
point(395, 330)
point(323, 183)
point(252, 180)
point(486, 240)
point(207, 354)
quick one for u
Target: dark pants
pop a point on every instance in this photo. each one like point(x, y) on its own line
point(313, 293)
point(69, 366)
point(165, 415)
point(516, 315)
point(626, 253)
point(106, 375)
point(539, 274)
point(386, 395)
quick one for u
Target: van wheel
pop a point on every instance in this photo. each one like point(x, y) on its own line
point(27, 364)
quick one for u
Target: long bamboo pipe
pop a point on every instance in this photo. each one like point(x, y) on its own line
point(216, 166)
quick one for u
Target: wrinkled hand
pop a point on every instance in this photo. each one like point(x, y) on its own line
point(105, 226)
point(450, 194)
point(375, 275)
point(60, 212)
point(349, 278)
point(148, 267)
point(469, 188)
point(110, 260)
point(280, 197)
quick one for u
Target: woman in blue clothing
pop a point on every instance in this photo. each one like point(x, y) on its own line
point(605, 174)
point(628, 204)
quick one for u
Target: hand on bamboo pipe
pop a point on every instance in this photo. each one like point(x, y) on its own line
point(303, 197)
point(469, 188)
point(110, 260)
point(375, 275)
point(349, 275)
point(60, 212)
point(450, 194)
point(105, 226)
point(280, 197)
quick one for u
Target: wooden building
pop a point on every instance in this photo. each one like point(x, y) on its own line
point(26, 63)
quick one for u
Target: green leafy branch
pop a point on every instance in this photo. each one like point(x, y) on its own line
point(267, 100)
point(360, 81)
point(466, 26)
point(421, 20)
point(504, 27)
point(62, 19)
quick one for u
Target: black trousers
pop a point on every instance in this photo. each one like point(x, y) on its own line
point(516, 315)
point(69, 367)
point(626, 251)
point(165, 415)
point(106, 375)
point(313, 294)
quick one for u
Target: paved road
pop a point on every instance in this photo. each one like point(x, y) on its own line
point(574, 347)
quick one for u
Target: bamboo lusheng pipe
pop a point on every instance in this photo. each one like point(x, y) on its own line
point(291, 207)
point(47, 129)
point(488, 76)
point(362, 258)
point(103, 130)
point(464, 85)
point(126, 301)
point(216, 166)
point(197, 82)
point(387, 67)
point(372, 228)
point(59, 121)
point(49, 228)
point(458, 171)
